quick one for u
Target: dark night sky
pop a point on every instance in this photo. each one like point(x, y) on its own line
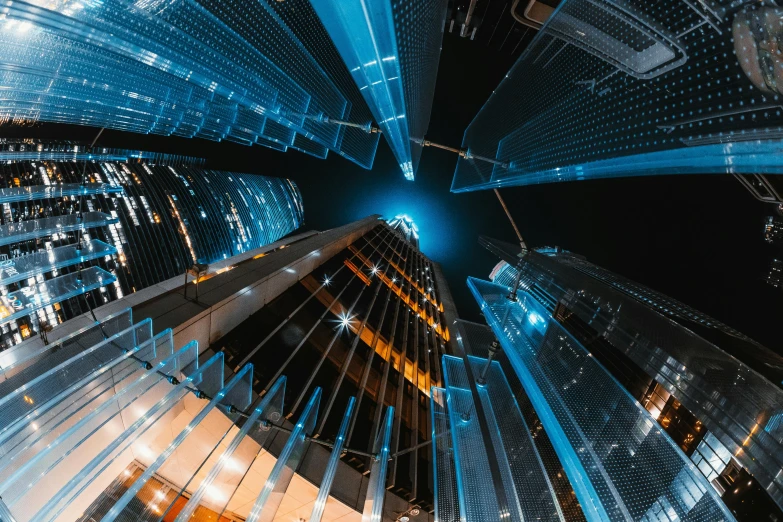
point(696, 238)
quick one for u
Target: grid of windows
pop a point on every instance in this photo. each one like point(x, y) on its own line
point(150, 223)
point(637, 88)
point(197, 68)
point(726, 381)
point(392, 49)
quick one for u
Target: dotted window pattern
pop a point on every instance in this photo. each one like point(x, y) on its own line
point(621, 464)
point(191, 68)
point(628, 88)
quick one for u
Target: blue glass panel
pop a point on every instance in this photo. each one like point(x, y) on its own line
point(18, 368)
point(659, 335)
point(94, 397)
point(15, 194)
point(206, 69)
point(392, 49)
point(43, 152)
point(268, 501)
point(270, 409)
point(33, 228)
point(137, 397)
point(607, 442)
point(210, 372)
point(444, 476)
point(235, 393)
point(30, 265)
point(30, 298)
point(39, 395)
point(331, 467)
point(611, 88)
point(376, 488)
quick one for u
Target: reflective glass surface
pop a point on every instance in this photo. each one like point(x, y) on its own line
point(621, 464)
point(196, 68)
point(31, 298)
point(31, 229)
point(392, 49)
point(615, 88)
point(23, 267)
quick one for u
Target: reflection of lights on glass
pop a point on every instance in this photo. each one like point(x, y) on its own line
point(533, 318)
point(327, 281)
point(160, 494)
point(374, 270)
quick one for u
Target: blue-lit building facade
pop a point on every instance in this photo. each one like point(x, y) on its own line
point(634, 88)
point(77, 234)
point(392, 49)
point(653, 410)
point(218, 70)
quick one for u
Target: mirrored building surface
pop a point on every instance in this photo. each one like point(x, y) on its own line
point(713, 391)
point(219, 70)
point(392, 49)
point(621, 463)
point(628, 88)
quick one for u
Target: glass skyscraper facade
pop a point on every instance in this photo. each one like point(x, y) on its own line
point(714, 392)
point(219, 70)
point(371, 323)
point(315, 407)
point(107, 228)
point(634, 88)
point(392, 49)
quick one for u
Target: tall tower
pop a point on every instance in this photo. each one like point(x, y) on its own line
point(550, 121)
point(407, 228)
point(80, 229)
point(682, 366)
point(295, 386)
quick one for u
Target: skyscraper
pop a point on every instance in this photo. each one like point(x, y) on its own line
point(392, 49)
point(208, 69)
point(672, 88)
point(712, 390)
point(107, 224)
point(334, 340)
point(405, 226)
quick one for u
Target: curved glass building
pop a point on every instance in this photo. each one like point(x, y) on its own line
point(109, 228)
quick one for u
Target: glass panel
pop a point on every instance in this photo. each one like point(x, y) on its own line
point(268, 501)
point(25, 301)
point(527, 489)
point(444, 475)
point(38, 396)
point(550, 121)
point(15, 194)
point(376, 488)
point(331, 466)
point(143, 400)
point(232, 394)
point(20, 365)
point(392, 49)
point(608, 443)
point(33, 228)
point(223, 474)
point(138, 79)
point(97, 389)
point(31, 265)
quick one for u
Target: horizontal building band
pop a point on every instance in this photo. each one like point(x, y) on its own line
point(17, 194)
point(31, 298)
point(35, 228)
point(38, 263)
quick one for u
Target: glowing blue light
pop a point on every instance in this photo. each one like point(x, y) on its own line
point(392, 49)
